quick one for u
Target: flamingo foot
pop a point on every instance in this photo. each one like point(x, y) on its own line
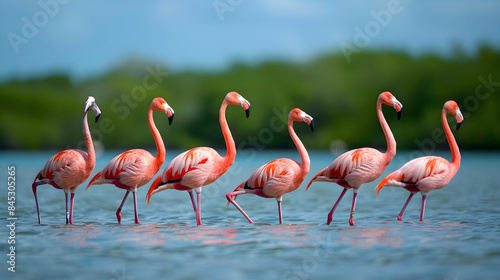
point(119, 216)
point(400, 218)
point(351, 219)
point(330, 215)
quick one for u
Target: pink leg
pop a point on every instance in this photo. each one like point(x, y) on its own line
point(279, 210)
point(423, 208)
point(229, 197)
point(34, 186)
point(330, 215)
point(400, 216)
point(198, 218)
point(194, 204)
point(67, 211)
point(72, 203)
point(119, 211)
point(136, 212)
point(351, 217)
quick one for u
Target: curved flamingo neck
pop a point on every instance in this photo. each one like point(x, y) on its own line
point(304, 156)
point(228, 137)
point(160, 147)
point(455, 152)
point(391, 142)
point(90, 162)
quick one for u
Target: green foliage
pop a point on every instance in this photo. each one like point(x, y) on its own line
point(341, 96)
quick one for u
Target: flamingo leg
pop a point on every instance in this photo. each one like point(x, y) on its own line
point(423, 208)
point(34, 186)
point(190, 192)
point(119, 211)
point(330, 215)
point(400, 216)
point(67, 212)
point(72, 203)
point(136, 212)
point(198, 208)
point(230, 198)
point(351, 216)
point(279, 209)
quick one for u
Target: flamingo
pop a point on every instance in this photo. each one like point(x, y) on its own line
point(356, 167)
point(425, 174)
point(69, 168)
point(280, 176)
point(134, 168)
point(200, 166)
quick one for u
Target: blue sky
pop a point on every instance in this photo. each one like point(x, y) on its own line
point(88, 38)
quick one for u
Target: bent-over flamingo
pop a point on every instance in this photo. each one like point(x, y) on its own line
point(425, 174)
point(280, 176)
point(134, 168)
point(68, 169)
point(356, 167)
point(200, 166)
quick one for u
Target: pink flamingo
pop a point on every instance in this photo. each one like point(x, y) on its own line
point(356, 167)
point(200, 166)
point(280, 176)
point(425, 174)
point(68, 169)
point(134, 168)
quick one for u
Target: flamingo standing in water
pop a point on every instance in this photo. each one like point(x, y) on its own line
point(356, 167)
point(132, 169)
point(425, 174)
point(200, 166)
point(68, 169)
point(280, 176)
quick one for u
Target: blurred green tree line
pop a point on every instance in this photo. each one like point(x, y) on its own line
point(45, 113)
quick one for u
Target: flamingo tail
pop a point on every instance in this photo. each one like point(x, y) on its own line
point(392, 176)
point(157, 182)
point(314, 178)
point(93, 180)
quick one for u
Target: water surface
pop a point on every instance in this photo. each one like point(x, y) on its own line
point(458, 240)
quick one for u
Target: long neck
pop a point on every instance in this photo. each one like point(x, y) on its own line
point(304, 156)
point(160, 147)
point(89, 144)
point(455, 152)
point(228, 138)
point(391, 142)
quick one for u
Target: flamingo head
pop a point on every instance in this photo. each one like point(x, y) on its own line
point(300, 116)
point(451, 107)
point(90, 104)
point(161, 105)
point(234, 98)
point(388, 99)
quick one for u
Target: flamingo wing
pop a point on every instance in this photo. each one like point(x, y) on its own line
point(64, 169)
point(191, 168)
point(275, 178)
point(424, 173)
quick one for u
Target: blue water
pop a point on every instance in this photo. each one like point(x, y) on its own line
point(460, 238)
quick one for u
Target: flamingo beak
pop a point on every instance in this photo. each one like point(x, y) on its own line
point(459, 117)
point(90, 104)
point(170, 119)
point(245, 105)
point(247, 111)
point(400, 113)
point(308, 119)
point(311, 125)
point(397, 106)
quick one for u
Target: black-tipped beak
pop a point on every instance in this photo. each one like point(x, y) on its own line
point(247, 111)
point(312, 125)
point(459, 124)
point(400, 113)
point(97, 117)
point(170, 119)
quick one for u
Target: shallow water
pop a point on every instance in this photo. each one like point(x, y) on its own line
point(460, 238)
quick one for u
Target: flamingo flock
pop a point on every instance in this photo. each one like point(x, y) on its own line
point(202, 166)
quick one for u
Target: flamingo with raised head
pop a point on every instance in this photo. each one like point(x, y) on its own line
point(69, 168)
point(134, 168)
point(356, 167)
point(280, 176)
point(200, 166)
point(425, 174)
